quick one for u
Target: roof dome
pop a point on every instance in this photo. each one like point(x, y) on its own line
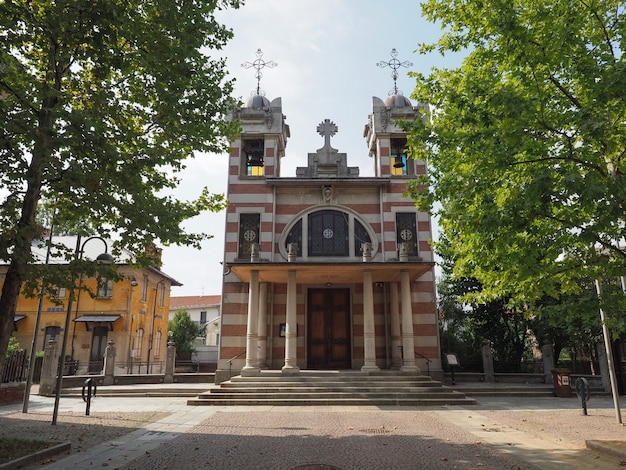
point(257, 102)
point(398, 101)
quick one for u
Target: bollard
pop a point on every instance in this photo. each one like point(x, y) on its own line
point(582, 392)
point(89, 383)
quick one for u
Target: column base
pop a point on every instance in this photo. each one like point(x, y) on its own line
point(368, 368)
point(250, 371)
point(290, 370)
point(410, 369)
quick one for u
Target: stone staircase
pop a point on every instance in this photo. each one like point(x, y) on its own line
point(386, 388)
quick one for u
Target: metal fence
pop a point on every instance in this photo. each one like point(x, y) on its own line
point(16, 367)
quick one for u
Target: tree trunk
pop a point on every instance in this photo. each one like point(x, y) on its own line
point(27, 227)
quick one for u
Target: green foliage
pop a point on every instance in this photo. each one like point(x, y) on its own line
point(466, 325)
point(184, 330)
point(525, 146)
point(101, 103)
point(14, 346)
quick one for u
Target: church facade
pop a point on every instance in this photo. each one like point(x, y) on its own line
point(326, 270)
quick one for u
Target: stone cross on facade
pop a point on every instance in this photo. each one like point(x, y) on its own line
point(327, 129)
point(394, 64)
point(259, 64)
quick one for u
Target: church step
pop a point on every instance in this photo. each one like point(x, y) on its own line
point(326, 384)
point(507, 391)
point(332, 378)
point(327, 393)
point(349, 401)
point(332, 388)
point(336, 388)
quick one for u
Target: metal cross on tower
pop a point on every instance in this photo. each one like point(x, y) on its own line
point(259, 64)
point(394, 64)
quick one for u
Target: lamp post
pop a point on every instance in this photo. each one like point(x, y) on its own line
point(609, 354)
point(33, 348)
point(103, 258)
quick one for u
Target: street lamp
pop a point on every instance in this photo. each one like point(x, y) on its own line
point(103, 258)
point(33, 348)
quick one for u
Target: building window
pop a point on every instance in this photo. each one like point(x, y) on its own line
point(249, 228)
point(406, 231)
point(52, 333)
point(328, 233)
point(58, 292)
point(203, 317)
point(105, 288)
point(254, 157)
point(161, 295)
point(360, 236)
point(157, 344)
point(295, 236)
point(399, 161)
point(144, 289)
point(138, 343)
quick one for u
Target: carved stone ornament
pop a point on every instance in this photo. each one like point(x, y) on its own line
point(385, 118)
point(327, 194)
point(269, 118)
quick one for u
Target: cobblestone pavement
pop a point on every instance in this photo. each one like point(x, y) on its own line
point(499, 433)
point(327, 440)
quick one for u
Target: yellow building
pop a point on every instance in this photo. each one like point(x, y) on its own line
point(132, 312)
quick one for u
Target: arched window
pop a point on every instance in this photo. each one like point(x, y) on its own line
point(329, 233)
point(360, 236)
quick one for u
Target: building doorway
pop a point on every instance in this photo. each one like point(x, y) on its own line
point(98, 347)
point(328, 329)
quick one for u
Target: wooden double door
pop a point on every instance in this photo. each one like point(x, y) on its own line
point(328, 328)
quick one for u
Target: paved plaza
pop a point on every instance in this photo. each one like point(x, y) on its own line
point(499, 433)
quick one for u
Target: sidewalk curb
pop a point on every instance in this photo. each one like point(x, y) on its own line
point(616, 447)
point(36, 456)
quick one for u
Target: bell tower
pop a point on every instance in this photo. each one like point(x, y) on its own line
point(386, 140)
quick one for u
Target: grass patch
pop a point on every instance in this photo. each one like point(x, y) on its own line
point(11, 448)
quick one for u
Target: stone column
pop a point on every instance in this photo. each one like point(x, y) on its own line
point(487, 361)
point(170, 362)
point(369, 329)
point(262, 329)
point(109, 363)
point(396, 335)
point(604, 367)
point(49, 367)
point(291, 328)
point(548, 362)
point(408, 341)
point(253, 323)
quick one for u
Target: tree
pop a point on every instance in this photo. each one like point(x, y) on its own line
point(526, 144)
point(101, 102)
point(184, 331)
point(468, 324)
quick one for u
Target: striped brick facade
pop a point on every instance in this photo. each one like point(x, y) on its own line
point(326, 304)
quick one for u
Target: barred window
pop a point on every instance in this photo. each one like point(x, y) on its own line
point(249, 229)
point(328, 233)
point(105, 288)
point(406, 231)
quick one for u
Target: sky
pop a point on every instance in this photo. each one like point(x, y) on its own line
point(326, 53)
